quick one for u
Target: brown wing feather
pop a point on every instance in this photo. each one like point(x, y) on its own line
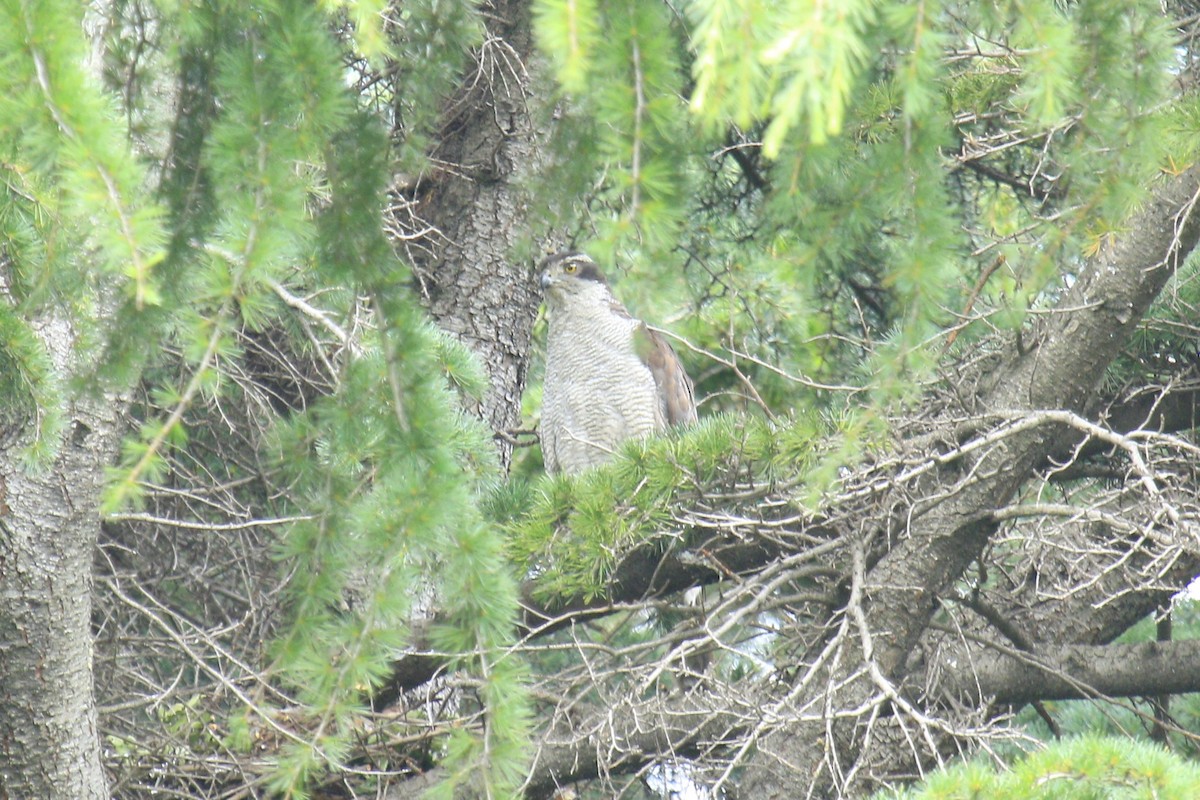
point(674, 386)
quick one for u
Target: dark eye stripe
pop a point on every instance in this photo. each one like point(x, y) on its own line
point(588, 271)
point(577, 265)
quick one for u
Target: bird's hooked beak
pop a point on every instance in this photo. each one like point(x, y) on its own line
point(545, 279)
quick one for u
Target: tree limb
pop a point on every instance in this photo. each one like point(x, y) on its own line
point(1074, 672)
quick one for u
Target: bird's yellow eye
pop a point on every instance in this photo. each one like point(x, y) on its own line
point(570, 267)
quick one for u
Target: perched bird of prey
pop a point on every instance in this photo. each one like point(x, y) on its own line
point(609, 378)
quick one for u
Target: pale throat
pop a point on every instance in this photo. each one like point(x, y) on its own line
point(590, 313)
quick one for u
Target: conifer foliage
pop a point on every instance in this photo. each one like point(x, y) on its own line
point(265, 186)
point(927, 260)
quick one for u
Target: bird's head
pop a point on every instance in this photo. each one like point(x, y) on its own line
point(570, 276)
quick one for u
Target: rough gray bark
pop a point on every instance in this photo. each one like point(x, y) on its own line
point(1081, 671)
point(943, 526)
point(49, 746)
point(1059, 369)
point(627, 737)
point(939, 527)
point(473, 288)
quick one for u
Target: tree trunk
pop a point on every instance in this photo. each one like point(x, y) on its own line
point(895, 600)
point(49, 747)
point(473, 288)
